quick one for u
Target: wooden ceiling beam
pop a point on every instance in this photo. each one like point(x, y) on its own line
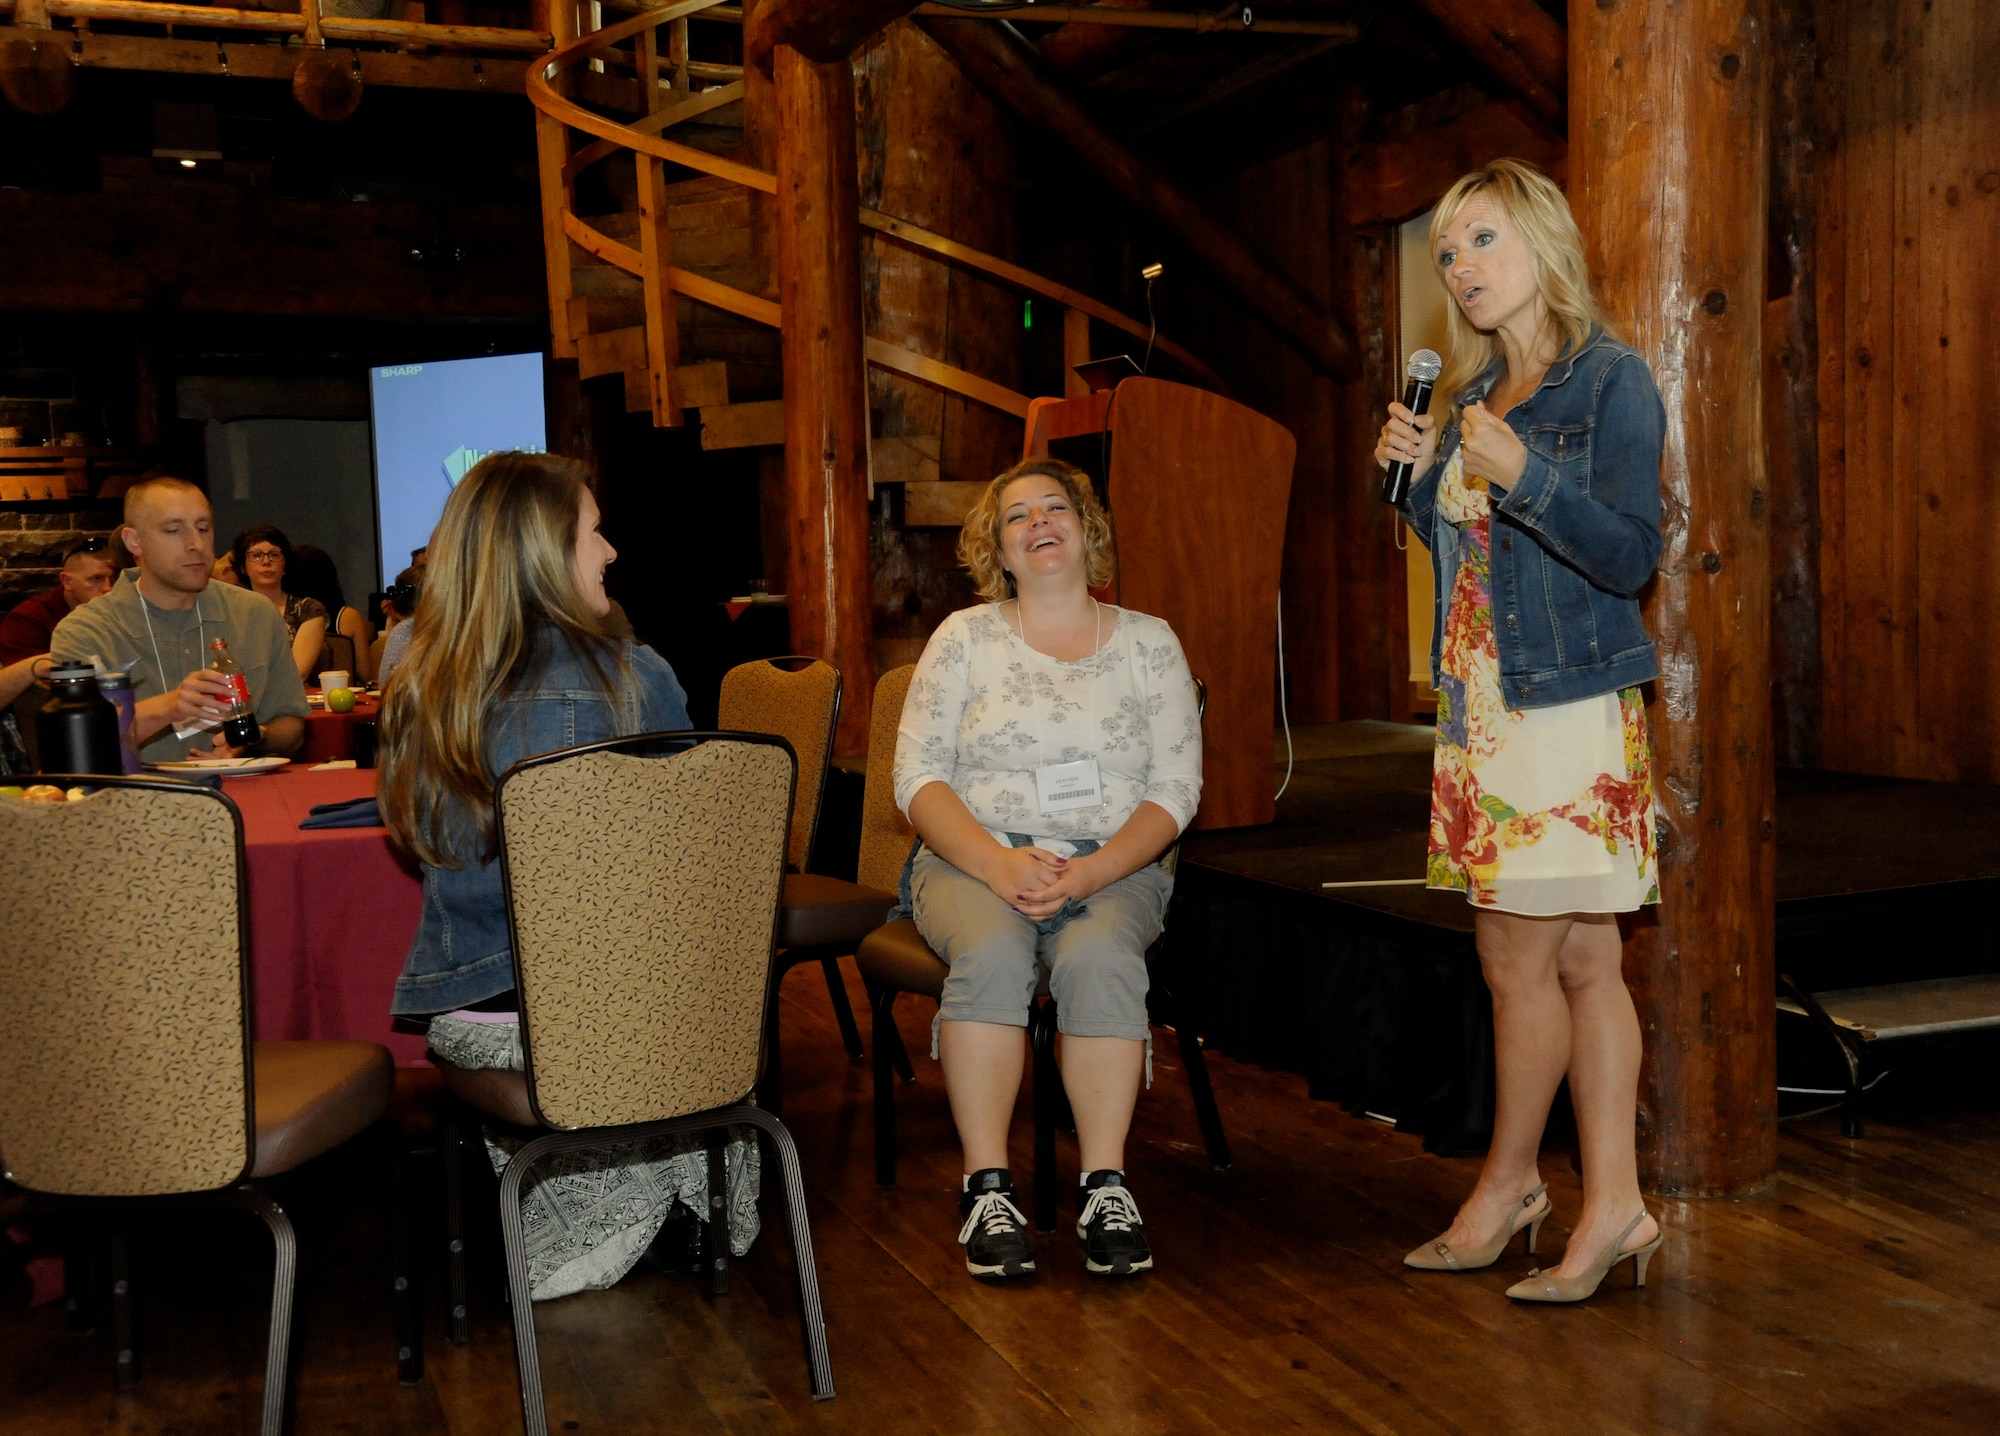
point(1516, 42)
point(246, 59)
point(1400, 178)
point(1001, 63)
point(820, 30)
point(1081, 51)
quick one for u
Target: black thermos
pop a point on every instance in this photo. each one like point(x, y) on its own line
point(77, 729)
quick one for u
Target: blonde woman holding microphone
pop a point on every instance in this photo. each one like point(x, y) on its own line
point(1537, 491)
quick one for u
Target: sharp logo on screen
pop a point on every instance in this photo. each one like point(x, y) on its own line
point(402, 371)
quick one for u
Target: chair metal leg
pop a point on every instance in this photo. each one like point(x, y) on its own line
point(406, 1300)
point(1195, 1062)
point(124, 1333)
point(1850, 1109)
point(717, 1235)
point(884, 1033)
point(527, 1357)
point(771, 1086)
point(811, 1315)
point(83, 1273)
point(284, 1283)
point(1048, 1095)
point(843, 1011)
point(451, 1148)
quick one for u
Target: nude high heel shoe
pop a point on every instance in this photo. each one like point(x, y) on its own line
point(1539, 1285)
point(1529, 1214)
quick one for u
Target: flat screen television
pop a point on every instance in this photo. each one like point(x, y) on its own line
point(432, 423)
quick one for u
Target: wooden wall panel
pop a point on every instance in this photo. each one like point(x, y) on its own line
point(1344, 586)
point(1909, 257)
point(1791, 386)
point(1285, 206)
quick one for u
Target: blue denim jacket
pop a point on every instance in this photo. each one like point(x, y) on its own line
point(461, 953)
point(1575, 539)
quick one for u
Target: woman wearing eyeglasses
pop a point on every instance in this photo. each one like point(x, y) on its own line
point(263, 557)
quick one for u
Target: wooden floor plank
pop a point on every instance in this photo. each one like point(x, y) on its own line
point(1860, 1293)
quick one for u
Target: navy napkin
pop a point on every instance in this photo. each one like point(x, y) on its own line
point(355, 813)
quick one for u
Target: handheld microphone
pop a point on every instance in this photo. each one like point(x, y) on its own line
point(1424, 368)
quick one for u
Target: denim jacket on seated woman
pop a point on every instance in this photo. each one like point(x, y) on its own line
point(461, 954)
point(1575, 539)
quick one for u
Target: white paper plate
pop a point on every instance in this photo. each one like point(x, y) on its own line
point(228, 767)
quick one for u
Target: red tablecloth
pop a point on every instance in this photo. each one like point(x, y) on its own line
point(332, 911)
point(331, 735)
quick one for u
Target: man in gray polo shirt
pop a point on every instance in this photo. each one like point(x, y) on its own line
point(159, 619)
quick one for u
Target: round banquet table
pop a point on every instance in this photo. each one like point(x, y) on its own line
point(332, 912)
point(331, 735)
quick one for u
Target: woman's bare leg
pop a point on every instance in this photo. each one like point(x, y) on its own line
point(1603, 1088)
point(1531, 1048)
point(1101, 1076)
point(983, 1062)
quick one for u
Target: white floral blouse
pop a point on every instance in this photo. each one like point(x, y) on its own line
point(985, 710)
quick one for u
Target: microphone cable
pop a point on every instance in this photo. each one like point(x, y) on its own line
point(1284, 707)
point(1152, 273)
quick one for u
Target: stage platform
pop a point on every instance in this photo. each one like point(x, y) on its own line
point(1374, 993)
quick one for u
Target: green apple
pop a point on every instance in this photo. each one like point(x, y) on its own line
point(341, 700)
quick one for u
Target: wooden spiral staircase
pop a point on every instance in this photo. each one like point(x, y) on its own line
point(674, 290)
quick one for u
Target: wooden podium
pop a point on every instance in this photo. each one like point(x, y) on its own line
point(1198, 487)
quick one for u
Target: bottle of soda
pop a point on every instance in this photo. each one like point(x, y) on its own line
point(239, 726)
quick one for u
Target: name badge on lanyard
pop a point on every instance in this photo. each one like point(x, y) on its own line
point(1066, 787)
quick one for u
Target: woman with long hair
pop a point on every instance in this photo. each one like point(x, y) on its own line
point(315, 576)
point(263, 559)
point(1538, 493)
point(509, 657)
point(1049, 752)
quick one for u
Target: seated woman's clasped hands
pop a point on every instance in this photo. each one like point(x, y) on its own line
point(1049, 753)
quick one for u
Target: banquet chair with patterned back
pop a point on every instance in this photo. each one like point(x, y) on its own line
point(895, 959)
point(128, 1077)
point(336, 653)
point(643, 969)
point(820, 918)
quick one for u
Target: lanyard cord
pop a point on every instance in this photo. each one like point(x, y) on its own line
point(1097, 640)
point(1096, 619)
point(200, 633)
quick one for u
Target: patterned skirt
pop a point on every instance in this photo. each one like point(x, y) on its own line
point(1539, 811)
point(590, 1215)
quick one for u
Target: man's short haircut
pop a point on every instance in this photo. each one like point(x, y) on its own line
point(143, 492)
point(95, 546)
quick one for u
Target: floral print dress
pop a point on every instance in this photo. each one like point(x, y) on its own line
point(1537, 811)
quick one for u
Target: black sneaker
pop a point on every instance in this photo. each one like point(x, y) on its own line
point(995, 1234)
point(1113, 1237)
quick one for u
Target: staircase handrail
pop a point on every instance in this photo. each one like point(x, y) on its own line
point(544, 97)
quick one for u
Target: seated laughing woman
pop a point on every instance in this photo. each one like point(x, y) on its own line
point(508, 657)
point(1049, 753)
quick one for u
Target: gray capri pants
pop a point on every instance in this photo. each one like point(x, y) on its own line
point(1096, 961)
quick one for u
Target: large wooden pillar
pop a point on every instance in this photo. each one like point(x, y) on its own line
point(826, 391)
point(1668, 175)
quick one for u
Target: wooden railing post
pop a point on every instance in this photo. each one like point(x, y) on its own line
point(1075, 350)
point(558, 194)
point(656, 246)
point(826, 390)
point(677, 56)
